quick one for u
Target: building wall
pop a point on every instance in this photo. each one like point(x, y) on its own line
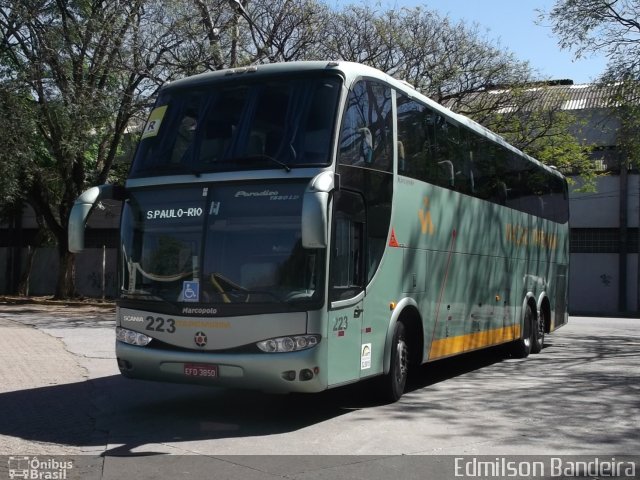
point(89, 272)
point(596, 126)
point(596, 277)
point(100, 239)
point(601, 209)
point(594, 283)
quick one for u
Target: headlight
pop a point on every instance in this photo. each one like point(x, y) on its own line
point(289, 344)
point(131, 337)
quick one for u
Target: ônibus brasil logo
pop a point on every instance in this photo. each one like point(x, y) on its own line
point(35, 468)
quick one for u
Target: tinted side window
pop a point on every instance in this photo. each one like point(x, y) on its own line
point(412, 139)
point(560, 199)
point(432, 149)
point(435, 150)
point(489, 168)
point(366, 134)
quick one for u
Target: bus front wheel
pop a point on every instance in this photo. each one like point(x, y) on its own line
point(395, 381)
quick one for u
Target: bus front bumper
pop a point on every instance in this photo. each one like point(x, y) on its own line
point(270, 372)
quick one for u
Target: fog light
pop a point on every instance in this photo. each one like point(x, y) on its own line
point(124, 364)
point(305, 375)
point(290, 375)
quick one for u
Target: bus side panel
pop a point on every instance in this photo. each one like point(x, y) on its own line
point(479, 261)
point(474, 307)
point(457, 244)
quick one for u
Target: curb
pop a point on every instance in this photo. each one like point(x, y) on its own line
point(86, 302)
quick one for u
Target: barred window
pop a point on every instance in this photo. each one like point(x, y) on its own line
point(601, 240)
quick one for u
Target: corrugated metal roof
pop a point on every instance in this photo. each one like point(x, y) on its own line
point(577, 97)
point(563, 97)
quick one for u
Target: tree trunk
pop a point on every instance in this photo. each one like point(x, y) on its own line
point(65, 286)
point(23, 285)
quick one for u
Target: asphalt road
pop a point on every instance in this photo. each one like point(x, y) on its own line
point(61, 394)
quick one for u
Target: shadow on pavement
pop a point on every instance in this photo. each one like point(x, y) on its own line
point(117, 411)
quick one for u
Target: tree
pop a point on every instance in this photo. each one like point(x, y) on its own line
point(80, 70)
point(285, 30)
point(446, 61)
point(15, 126)
point(359, 33)
point(611, 27)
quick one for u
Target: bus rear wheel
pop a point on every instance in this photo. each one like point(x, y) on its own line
point(521, 348)
point(394, 382)
point(537, 341)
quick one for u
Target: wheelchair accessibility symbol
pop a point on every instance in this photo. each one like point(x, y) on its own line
point(190, 291)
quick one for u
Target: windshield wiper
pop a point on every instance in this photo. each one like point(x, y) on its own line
point(264, 156)
point(250, 158)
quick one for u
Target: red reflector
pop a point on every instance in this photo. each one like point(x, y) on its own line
point(393, 242)
point(341, 333)
point(367, 330)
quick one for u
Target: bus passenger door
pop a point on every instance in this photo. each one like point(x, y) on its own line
point(346, 289)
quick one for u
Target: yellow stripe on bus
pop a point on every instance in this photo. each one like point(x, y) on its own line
point(445, 347)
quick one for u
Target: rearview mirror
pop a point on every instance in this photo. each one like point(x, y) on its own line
point(315, 208)
point(82, 209)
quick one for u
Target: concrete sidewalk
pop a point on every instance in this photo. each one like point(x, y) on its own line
point(33, 357)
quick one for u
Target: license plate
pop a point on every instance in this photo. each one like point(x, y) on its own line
point(195, 370)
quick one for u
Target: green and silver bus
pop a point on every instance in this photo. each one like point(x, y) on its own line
point(296, 227)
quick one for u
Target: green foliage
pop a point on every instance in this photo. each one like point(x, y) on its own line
point(552, 137)
point(610, 28)
point(16, 154)
point(565, 153)
point(626, 97)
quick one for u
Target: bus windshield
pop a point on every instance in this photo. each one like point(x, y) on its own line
point(239, 125)
point(250, 253)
